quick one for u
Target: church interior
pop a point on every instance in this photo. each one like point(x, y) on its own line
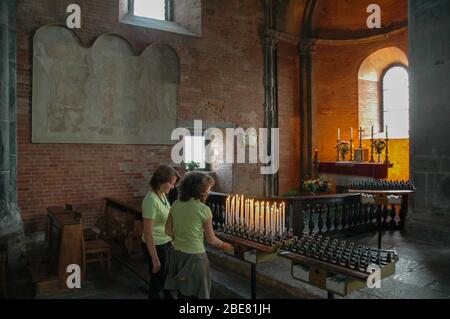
point(323, 124)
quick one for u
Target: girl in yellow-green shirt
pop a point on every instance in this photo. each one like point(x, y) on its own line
point(189, 222)
point(155, 242)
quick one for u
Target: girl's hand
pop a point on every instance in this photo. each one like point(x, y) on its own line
point(227, 246)
point(156, 266)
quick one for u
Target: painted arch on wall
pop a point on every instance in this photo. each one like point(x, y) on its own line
point(104, 93)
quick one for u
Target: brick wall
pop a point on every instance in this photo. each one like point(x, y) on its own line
point(335, 90)
point(224, 66)
point(398, 156)
point(369, 106)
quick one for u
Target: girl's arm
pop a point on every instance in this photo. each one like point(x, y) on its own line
point(150, 243)
point(169, 226)
point(211, 237)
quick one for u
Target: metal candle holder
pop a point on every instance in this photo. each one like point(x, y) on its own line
point(351, 150)
point(338, 151)
point(371, 148)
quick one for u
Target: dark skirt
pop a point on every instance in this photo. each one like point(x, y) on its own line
point(188, 274)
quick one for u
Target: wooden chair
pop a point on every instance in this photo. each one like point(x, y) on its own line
point(95, 249)
point(98, 251)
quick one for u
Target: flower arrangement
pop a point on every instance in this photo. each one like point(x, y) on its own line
point(315, 186)
point(343, 148)
point(379, 145)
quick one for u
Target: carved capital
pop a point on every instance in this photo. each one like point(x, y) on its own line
point(271, 38)
point(307, 46)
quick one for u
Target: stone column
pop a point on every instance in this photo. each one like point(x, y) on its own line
point(429, 50)
point(10, 221)
point(270, 104)
point(306, 51)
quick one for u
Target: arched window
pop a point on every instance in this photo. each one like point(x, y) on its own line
point(396, 101)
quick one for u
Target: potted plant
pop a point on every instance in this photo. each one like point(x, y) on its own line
point(192, 166)
point(292, 192)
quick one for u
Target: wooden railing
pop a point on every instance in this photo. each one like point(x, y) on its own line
point(335, 215)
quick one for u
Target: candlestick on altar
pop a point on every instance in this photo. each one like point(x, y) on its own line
point(371, 147)
point(351, 144)
point(338, 153)
point(283, 217)
point(386, 158)
point(360, 131)
point(339, 134)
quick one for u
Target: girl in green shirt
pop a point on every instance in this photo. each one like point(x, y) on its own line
point(189, 222)
point(155, 243)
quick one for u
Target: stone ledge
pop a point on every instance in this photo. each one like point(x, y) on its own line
point(167, 26)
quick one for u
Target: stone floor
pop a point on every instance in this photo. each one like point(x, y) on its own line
point(423, 271)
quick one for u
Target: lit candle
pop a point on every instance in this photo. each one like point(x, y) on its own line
point(257, 216)
point(272, 212)
point(351, 133)
point(283, 217)
point(339, 134)
point(247, 214)
point(386, 132)
point(262, 225)
point(268, 218)
point(252, 215)
point(227, 204)
point(278, 221)
point(242, 210)
point(232, 210)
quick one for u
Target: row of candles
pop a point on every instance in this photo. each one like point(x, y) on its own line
point(256, 216)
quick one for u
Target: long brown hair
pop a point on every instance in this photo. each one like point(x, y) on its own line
point(194, 185)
